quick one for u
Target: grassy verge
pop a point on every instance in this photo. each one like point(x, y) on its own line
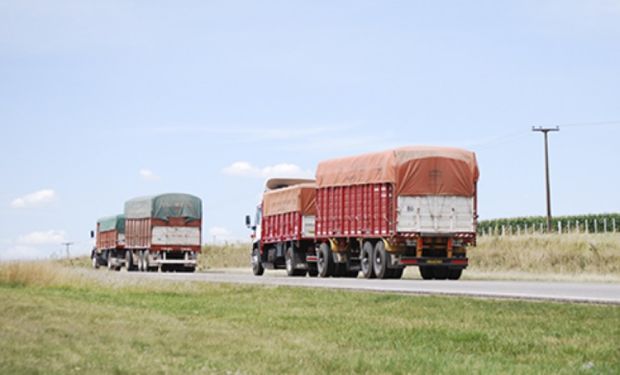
point(59, 326)
point(573, 255)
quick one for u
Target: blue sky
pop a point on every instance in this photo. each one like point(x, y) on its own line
point(102, 101)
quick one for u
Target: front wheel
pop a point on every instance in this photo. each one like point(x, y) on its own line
point(95, 261)
point(257, 265)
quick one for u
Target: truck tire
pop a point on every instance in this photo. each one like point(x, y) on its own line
point(427, 272)
point(140, 261)
point(366, 260)
point(441, 273)
point(95, 261)
point(145, 261)
point(128, 261)
point(380, 261)
point(455, 274)
point(257, 265)
point(110, 264)
point(289, 260)
point(325, 263)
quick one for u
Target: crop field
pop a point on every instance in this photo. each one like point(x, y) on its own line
point(595, 223)
point(52, 321)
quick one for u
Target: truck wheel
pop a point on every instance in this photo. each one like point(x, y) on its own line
point(95, 261)
point(441, 273)
point(380, 261)
point(128, 261)
point(257, 265)
point(325, 263)
point(289, 260)
point(109, 261)
point(455, 274)
point(140, 261)
point(145, 260)
point(426, 272)
point(366, 260)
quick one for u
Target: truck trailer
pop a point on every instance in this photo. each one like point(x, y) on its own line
point(163, 232)
point(283, 234)
point(109, 241)
point(380, 212)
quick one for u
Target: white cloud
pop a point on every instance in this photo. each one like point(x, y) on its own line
point(148, 175)
point(50, 237)
point(246, 169)
point(36, 199)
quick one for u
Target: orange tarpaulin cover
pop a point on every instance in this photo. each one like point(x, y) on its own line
point(296, 198)
point(418, 170)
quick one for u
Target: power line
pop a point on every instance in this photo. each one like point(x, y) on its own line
point(599, 123)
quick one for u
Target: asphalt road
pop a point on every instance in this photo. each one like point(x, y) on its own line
point(527, 290)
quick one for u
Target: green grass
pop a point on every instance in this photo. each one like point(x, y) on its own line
point(63, 325)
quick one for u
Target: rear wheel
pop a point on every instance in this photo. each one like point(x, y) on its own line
point(110, 262)
point(257, 265)
point(455, 274)
point(325, 263)
point(145, 262)
point(366, 260)
point(380, 261)
point(426, 272)
point(128, 261)
point(289, 260)
point(441, 273)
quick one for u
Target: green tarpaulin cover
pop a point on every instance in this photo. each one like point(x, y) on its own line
point(111, 223)
point(164, 206)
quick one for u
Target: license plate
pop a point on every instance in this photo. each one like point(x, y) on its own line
point(434, 261)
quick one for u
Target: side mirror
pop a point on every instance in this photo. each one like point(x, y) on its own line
point(92, 234)
point(248, 221)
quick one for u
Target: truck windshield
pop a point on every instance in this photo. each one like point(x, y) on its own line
point(259, 212)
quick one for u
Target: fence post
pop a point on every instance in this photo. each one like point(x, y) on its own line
point(605, 225)
point(586, 226)
point(518, 230)
point(559, 227)
point(503, 230)
point(541, 228)
point(614, 224)
point(577, 226)
point(595, 226)
point(568, 226)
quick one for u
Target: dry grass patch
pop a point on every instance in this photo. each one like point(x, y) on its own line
point(37, 273)
point(225, 256)
point(567, 254)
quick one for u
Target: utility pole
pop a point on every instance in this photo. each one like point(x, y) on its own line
point(545, 131)
point(68, 245)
